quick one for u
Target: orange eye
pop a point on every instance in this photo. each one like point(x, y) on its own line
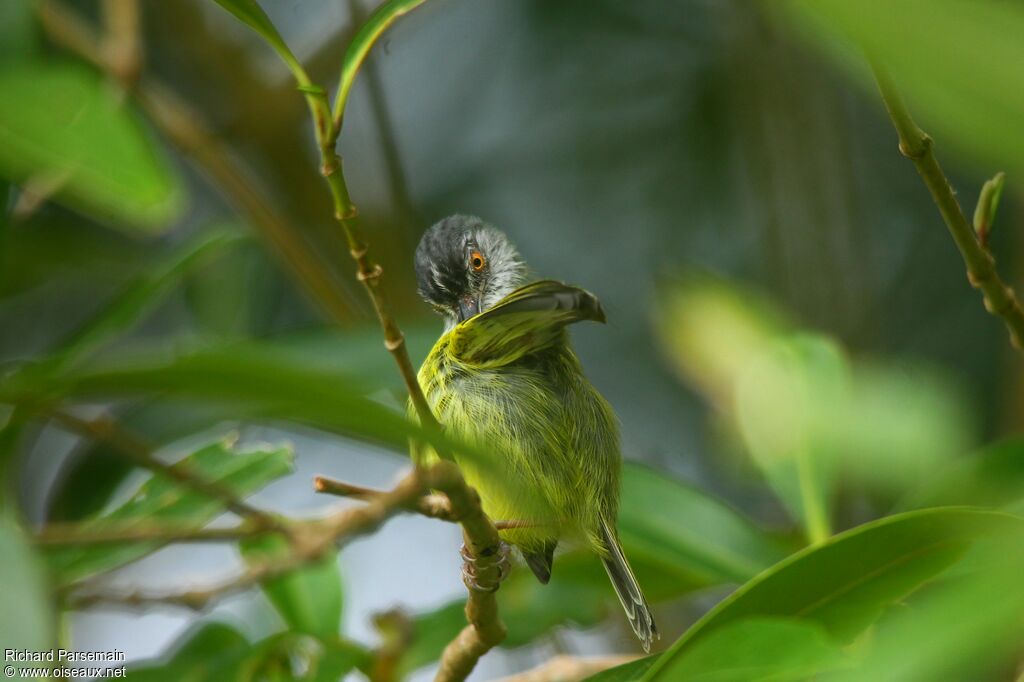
point(477, 261)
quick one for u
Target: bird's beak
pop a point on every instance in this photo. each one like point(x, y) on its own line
point(468, 307)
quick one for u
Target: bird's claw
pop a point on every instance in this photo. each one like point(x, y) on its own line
point(473, 565)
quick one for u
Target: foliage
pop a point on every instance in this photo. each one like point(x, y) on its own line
point(851, 527)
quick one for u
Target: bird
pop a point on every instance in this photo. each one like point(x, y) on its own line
point(503, 376)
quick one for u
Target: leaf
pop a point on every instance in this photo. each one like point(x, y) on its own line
point(993, 477)
point(627, 672)
point(845, 584)
point(250, 13)
point(358, 49)
point(162, 500)
point(212, 652)
point(26, 615)
point(62, 123)
point(205, 652)
point(309, 600)
point(684, 532)
point(18, 38)
point(678, 539)
point(259, 382)
point(957, 68)
point(757, 650)
point(141, 295)
point(961, 628)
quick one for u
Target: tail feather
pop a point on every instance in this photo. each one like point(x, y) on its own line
point(628, 590)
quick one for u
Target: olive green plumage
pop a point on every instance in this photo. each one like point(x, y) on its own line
point(504, 377)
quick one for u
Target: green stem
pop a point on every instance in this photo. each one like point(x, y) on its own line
point(917, 146)
point(815, 516)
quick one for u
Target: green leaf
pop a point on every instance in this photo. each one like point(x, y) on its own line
point(259, 382)
point(26, 615)
point(962, 628)
point(358, 49)
point(845, 584)
point(627, 672)
point(162, 500)
point(18, 38)
point(955, 62)
point(208, 651)
point(993, 477)
point(250, 13)
point(62, 124)
point(681, 531)
point(309, 600)
point(757, 650)
point(212, 652)
point(678, 539)
point(140, 296)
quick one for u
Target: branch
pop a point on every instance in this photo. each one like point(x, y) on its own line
point(430, 505)
point(570, 668)
point(140, 453)
point(916, 145)
point(185, 128)
point(485, 629)
point(109, 531)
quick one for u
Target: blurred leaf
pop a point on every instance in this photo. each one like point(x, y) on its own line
point(212, 652)
point(845, 584)
point(93, 474)
point(805, 412)
point(634, 670)
point(309, 600)
point(967, 626)
point(208, 651)
point(778, 394)
point(62, 122)
point(250, 13)
point(757, 650)
point(141, 295)
point(162, 500)
point(18, 39)
point(715, 545)
point(26, 616)
point(993, 477)
point(957, 68)
point(258, 381)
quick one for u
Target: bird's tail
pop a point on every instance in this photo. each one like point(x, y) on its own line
point(628, 589)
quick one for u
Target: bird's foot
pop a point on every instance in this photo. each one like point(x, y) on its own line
point(478, 572)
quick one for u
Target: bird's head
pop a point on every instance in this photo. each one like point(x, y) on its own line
point(464, 266)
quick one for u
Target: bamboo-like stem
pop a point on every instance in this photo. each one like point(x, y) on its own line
point(140, 453)
point(916, 145)
point(185, 128)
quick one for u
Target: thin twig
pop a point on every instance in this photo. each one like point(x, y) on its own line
point(140, 453)
point(184, 126)
point(109, 531)
point(916, 145)
point(570, 668)
point(313, 538)
point(430, 505)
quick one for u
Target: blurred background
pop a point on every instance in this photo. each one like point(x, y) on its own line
point(720, 174)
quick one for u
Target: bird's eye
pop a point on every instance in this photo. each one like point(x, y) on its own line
point(477, 261)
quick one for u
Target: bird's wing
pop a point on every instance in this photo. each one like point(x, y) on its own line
point(529, 319)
